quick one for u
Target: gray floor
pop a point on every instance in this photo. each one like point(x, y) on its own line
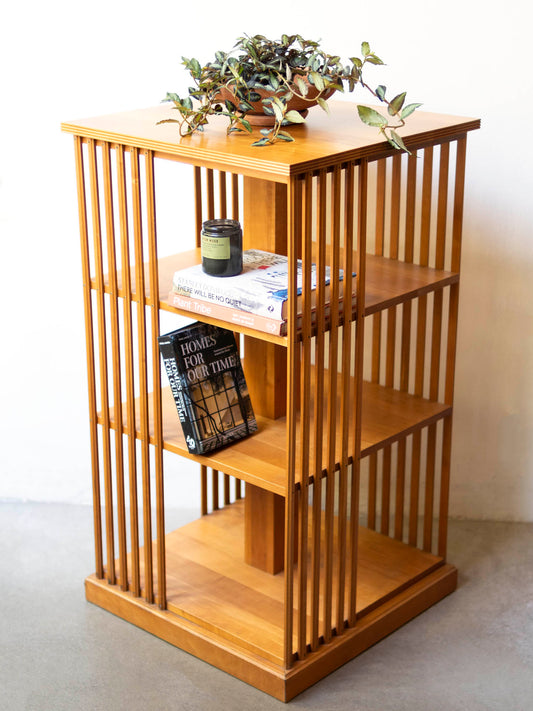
point(473, 650)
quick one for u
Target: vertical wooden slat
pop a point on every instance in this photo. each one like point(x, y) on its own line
point(423, 260)
point(203, 490)
point(390, 356)
point(455, 266)
point(386, 479)
point(227, 495)
point(305, 407)
point(115, 351)
point(405, 353)
point(316, 528)
point(234, 196)
point(400, 489)
point(415, 488)
point(222, 192)
point(214, 489)
point(345, 549)
point(129, 379)
point(210, 194)
point(102, 359)
point(89, 336)
point(376, 332)
point(293, 230)
point(436, 340)
point(156, 379)
point(329, 514)
point(140, 292)
point(198, 215)
point(453, 309)
point(410, 210)
point(362, 198)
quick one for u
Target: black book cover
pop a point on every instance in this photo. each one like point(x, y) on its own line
point(207, 381)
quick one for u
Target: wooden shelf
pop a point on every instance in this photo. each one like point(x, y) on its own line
point(388, 283)
point(260, 459)
point(209, 584)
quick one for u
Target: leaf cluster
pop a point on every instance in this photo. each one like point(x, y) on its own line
point(286, 68)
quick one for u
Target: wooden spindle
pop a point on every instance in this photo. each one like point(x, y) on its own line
point(305, 407)
point(381, 183)
point(198, 212)
point(102, 359)
point(294, 231)
point(345, 382)
point(420, 356)
point(222, 194)
point(453, 309)
point(214, 490)
point(115, 350)
point(203, 490)
point(156, 379)
point(331, 424)
point(360, 268)
point(316, 528)
point(129, 379)
point(89, 336)
point(235, 196)
point(210, 194)
point(227, 495)
point(140, 291)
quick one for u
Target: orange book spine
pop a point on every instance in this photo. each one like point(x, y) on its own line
point(201, 308)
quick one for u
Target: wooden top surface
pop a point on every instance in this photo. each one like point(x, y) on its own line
point(323, 140)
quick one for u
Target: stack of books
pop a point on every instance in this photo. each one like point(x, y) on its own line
point(256, 298)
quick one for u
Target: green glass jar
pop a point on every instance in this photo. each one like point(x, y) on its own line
point(221, 245)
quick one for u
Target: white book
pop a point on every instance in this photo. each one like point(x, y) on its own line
point(261, 288)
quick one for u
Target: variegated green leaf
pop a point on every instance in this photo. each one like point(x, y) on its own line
point(396, 104)
point(408, 110)
point(294, 117)
point(371, 117)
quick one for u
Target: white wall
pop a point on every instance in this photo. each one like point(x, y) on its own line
point(64, 60)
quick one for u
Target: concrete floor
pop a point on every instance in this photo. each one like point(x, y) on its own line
point(473, 650)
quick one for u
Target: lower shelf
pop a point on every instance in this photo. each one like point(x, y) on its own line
point(231, 614)
point(388, 415)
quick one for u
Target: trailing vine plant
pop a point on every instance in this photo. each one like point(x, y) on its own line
point(291, 67)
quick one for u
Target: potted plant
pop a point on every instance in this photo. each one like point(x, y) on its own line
point(275, 82)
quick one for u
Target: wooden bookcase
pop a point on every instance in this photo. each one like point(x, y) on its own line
point(325, 530)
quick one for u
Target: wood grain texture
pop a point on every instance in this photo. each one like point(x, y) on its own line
point(388, 415)
point(264, 530)
point(231, 614)
point(320, 142)
point(388, 283)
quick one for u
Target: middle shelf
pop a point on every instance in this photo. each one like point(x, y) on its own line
point(260, 459)
point(389, 282)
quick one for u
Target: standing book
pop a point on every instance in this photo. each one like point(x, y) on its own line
point(207, 381)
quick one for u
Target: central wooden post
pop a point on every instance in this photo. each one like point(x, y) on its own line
point(265, 367)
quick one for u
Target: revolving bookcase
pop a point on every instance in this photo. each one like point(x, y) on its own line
point(326, 530)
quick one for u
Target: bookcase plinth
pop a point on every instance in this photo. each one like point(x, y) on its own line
point(242, 633)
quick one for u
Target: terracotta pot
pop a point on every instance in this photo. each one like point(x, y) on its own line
point(257, 117)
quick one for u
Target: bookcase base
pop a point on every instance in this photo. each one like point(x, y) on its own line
point(283, 684)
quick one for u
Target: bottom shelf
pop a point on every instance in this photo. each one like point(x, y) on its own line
point(231, 614)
